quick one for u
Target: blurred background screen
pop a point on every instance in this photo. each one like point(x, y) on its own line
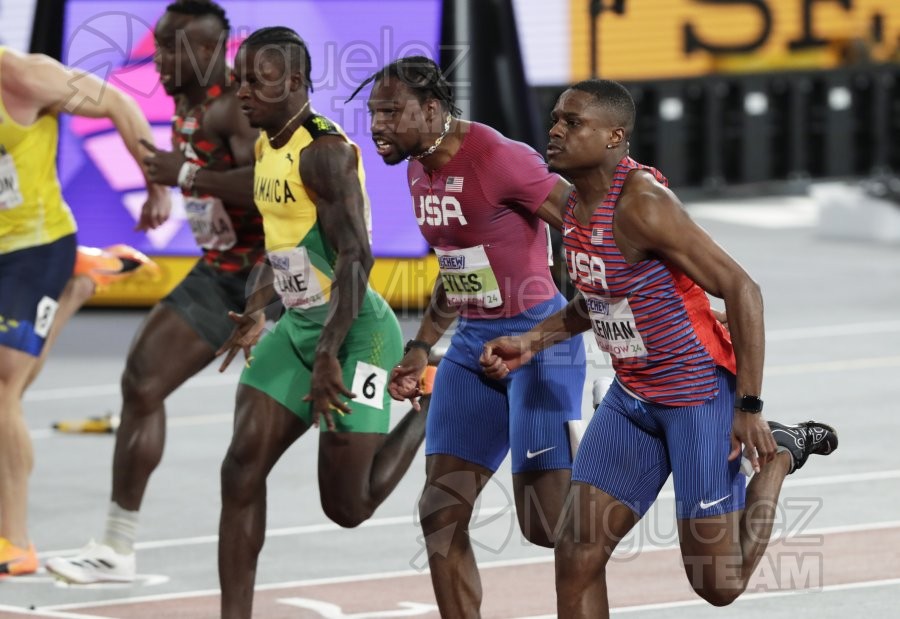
point(347, 39)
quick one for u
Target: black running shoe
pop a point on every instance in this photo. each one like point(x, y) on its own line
point(803, 439)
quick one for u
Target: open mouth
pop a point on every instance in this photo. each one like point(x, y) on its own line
point(383, 147)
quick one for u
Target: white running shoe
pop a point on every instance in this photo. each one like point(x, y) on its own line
point(95, 563)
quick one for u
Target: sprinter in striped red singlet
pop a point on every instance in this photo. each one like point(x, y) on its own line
point(687, 393)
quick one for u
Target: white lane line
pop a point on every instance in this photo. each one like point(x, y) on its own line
point(817, 367)
point(830, 331)
point(175, 421)
point(330, 527)
point(45, 612)
point(387, 575)
point(88, 391)
point(746, 599)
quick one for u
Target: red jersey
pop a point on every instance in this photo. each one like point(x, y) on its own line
point(231, 236)
point(478, 213)
point(653, 320)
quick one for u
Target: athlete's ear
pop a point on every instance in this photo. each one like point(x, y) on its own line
point(617, 137)
point(434, 115)
point(298, 81)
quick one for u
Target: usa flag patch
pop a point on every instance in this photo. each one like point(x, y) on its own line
point(454, 184)
point(597, 236)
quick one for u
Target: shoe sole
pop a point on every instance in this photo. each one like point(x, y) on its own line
point(74, 580)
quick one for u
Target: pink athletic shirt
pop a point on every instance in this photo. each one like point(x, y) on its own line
point(478, 213)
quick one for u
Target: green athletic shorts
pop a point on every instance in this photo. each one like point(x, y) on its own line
point(282, 362)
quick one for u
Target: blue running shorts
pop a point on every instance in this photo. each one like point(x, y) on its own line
point(479, 420)
point(631, 446)
point(31, 283)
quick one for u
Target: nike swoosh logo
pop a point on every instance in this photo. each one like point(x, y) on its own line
point(705, 505)
point(415, 180)
point(532, 454)
point(566, 231)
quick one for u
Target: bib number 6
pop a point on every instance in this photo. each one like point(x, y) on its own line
point(369, 382)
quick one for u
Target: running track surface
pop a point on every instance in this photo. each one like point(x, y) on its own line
point(833, 332)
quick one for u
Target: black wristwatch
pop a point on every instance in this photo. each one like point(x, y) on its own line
point(417, 344)
point(749, 404)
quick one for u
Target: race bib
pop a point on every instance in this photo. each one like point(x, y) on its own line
point(210, 223)
point(296, 280)
point(44, 316)
point(614, 327)
point(468, 277)
point(10, 196)
point(369, 382)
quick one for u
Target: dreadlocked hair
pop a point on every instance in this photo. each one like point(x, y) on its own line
point(419, 74)
point(289, 42)
point(199, 8)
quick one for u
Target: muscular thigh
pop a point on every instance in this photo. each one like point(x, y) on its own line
point(543, 396)
point(698, 439)
point(166, 351)
point(623, 452)
point(468, 417)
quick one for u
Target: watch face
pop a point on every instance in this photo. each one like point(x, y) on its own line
point(751, 404)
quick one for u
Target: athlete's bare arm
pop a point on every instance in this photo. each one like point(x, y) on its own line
point(504, 354)
point(554, 207)
point(234, 186)
point(41, 85)
point(328, 168)
point(651, 222)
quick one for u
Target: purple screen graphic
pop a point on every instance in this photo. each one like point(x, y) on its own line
point(348, 40)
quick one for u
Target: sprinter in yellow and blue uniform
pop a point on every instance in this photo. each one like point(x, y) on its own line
point(38, 252)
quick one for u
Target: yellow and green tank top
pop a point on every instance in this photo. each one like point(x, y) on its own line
point(32, 209)
point(301, 257)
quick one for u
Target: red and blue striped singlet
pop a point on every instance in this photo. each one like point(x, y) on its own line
point(653, 320)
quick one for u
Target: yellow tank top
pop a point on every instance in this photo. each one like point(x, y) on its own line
point(32, 209)
point(301, 257)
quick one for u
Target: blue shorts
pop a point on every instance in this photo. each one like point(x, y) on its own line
point(479, 420)
point(631, 446)
point(31, 282)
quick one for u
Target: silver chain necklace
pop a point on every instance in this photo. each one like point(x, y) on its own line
point(437, 142)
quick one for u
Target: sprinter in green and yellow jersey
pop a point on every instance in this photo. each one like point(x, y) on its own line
point(328, 358)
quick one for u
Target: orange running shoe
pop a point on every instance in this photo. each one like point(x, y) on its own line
point(15, 561)
point(111, 264)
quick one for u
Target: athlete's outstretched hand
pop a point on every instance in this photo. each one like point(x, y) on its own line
point(503, 355)
point(752, 431)
point(247, 329)
point(405, 377)
point(325, 390)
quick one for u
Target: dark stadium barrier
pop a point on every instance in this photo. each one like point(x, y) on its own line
point(712, 131)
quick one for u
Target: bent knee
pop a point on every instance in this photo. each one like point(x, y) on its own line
point(346, 514)
point(439, 510)
point(538, 535)
point(138, 390)
point(718, 596)
point(241, 480)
